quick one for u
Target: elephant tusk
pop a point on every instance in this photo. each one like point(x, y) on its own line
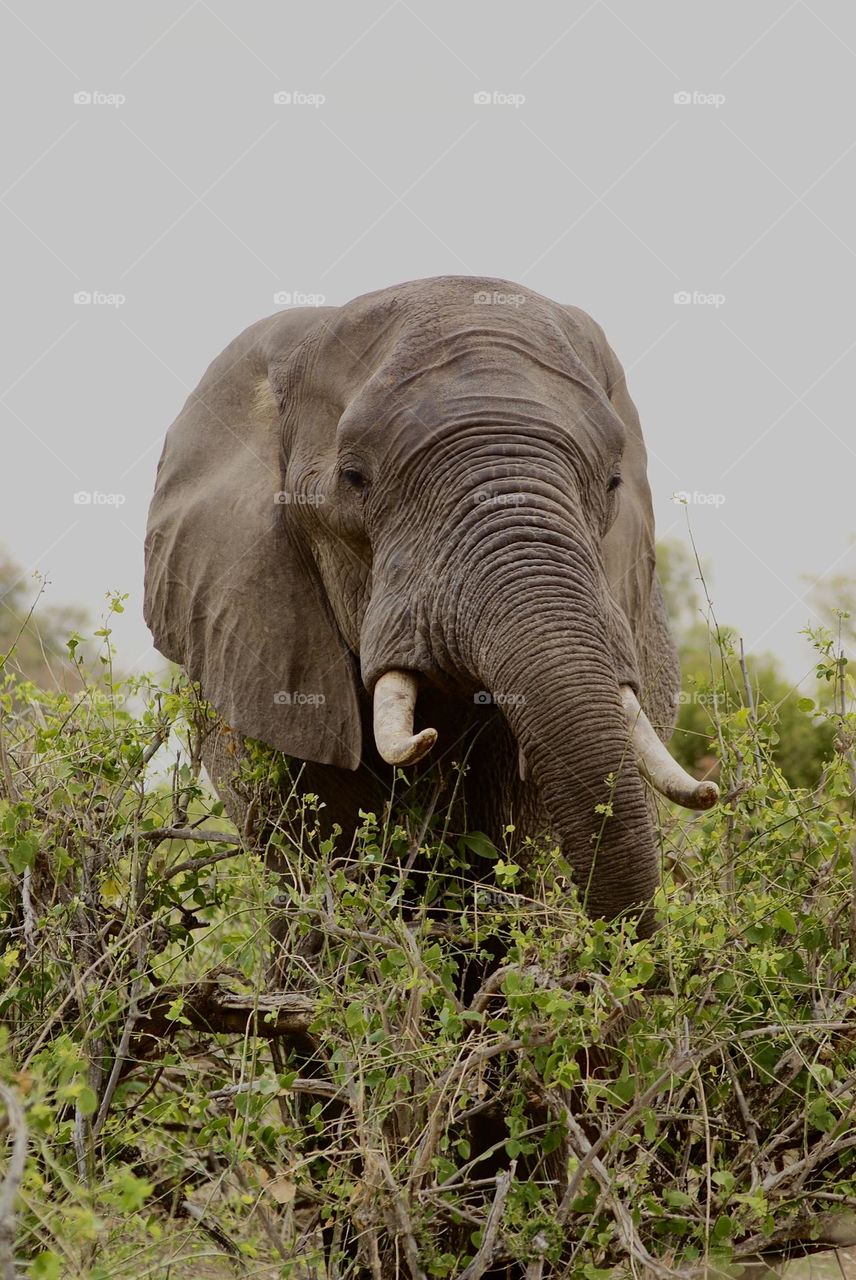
point(658, 766)
point(394, 703)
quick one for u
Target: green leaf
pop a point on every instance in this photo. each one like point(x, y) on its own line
point(354, 1019)
point(724, 1179)
point(175, 1012)
point(23, 853)
point(785, 920)
point(47, 1266)
point(479, 844)
point(87, 1101)
point(820, 1116)
point(723, 1229)
point(677, 1199)
point(131, 1192)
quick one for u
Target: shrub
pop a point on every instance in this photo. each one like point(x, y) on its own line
point(447, 1076)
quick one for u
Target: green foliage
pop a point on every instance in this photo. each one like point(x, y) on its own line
point(222, 1060)
point(713, 683)
point(33, 642)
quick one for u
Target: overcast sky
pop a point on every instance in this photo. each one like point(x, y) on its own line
point(627, 157)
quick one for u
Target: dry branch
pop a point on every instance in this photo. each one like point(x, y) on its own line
point(9, 1189)
point(490, 1246)
point(208, 1007)
point(203, 835)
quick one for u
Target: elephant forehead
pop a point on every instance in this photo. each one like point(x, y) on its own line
point(437, 355)
point(503, 388)
point(406, 331)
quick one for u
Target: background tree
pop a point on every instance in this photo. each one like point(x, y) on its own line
point(712, 680)
point(35, 640)
point(834, 598)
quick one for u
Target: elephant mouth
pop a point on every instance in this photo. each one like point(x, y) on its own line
point(398, 744)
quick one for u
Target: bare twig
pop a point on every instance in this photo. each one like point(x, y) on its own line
point(819, 1231)
point(197, 864)
point(17, 1124)
point(191, 1210)
point(489, 1248)
point(120, 1056)
point(623, 1219)
point(202, 834)
point(28, 912)
point(207, 1007)
point(844, 743)
point(5, 768)
point(310, 1085)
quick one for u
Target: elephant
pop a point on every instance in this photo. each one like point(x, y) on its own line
point(420, 522)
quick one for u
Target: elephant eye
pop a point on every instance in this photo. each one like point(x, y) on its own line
point(613, 483)
point(354, 477)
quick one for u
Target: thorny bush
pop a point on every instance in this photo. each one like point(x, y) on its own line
point(652, 1105)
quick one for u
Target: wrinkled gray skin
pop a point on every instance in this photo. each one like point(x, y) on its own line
point(455, 511)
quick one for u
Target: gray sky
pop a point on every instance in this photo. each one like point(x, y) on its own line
point(183, 198)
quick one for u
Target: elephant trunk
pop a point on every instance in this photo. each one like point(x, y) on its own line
point(541, 650)
point(525, 614)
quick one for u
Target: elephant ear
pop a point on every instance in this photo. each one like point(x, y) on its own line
point(229, 593)
point(628, 547)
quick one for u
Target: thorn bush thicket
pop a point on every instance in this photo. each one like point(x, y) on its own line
point(601, 1103)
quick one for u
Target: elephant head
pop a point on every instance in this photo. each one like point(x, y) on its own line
point(441, 483)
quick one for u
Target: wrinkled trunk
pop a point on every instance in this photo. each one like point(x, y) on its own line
point(547, 664)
